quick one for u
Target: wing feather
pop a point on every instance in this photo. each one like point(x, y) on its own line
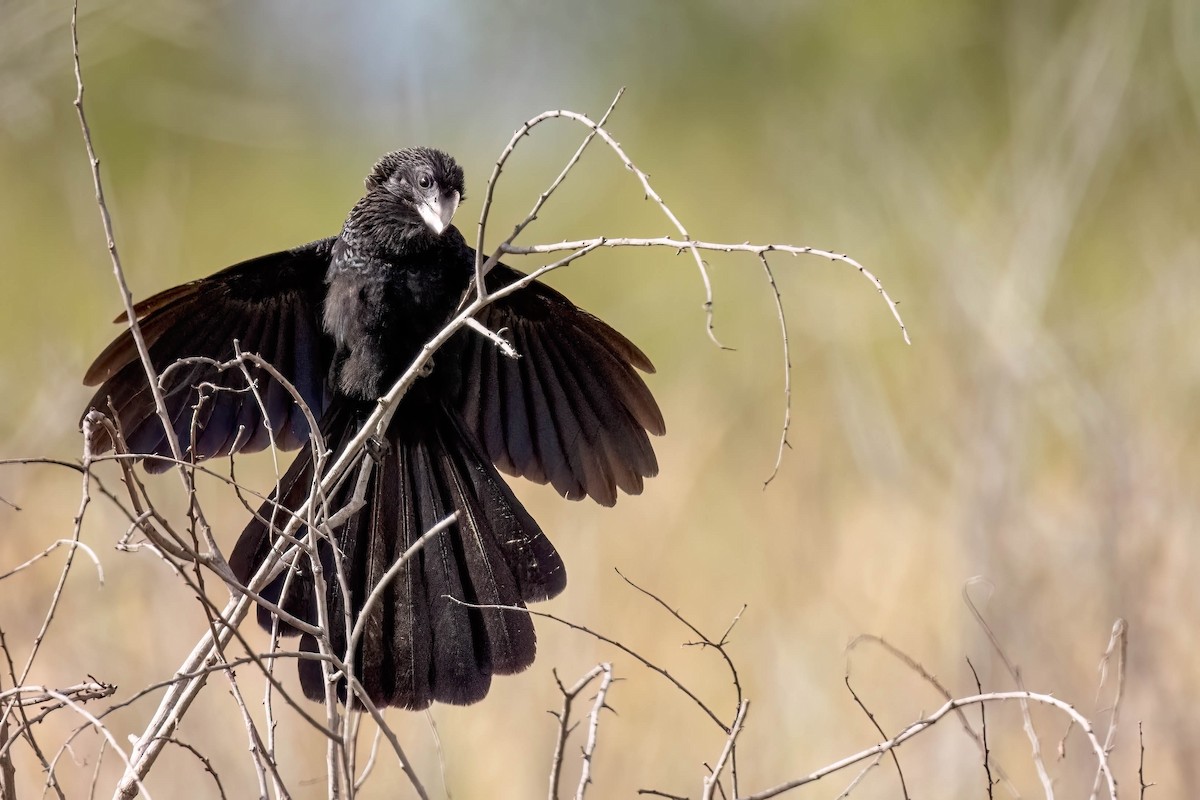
point(573, 410)
point(272, 306)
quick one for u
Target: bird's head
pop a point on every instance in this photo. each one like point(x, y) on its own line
point(412, 193)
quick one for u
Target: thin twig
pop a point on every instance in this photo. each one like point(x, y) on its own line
point(361, 696)
point(644, 179)
point(787, 370)
point(56, 597)
point(589, 749)
point(24, 729)
point(713, 779)
point(372, 757)
point(1030, 731)
point(564, 723)
point(623, 648)
point(1117, 645)
point(489, 191)
point(25, 696)
point(257, 757)
point(441, 754)
point(96, 770)
point(705, 641)
point(685, 243)
point(1142, 785)
point(135, 331)
point(987, 766)
point(207, 764)
point(8, 772)
point(72, 543)
point(114, 256)
point(875, 723)
point(859, 778)
point(75, 467)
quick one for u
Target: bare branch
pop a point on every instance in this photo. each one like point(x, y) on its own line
point(8, 772)
point(927, 722)
point(93, 721)
point(623, 648)
point(712, 780)
point(71, 543)
point(596, 128)
point(208, 767)
point(564, 723)
point(875, 723)
point(932, 680)
point(787, 369)
point(987, 766)
point(1031, 732)
point(859, 778)
point(1117, 645)
point(693, 245)
point(589, 749)
point(371, 759)
point(705, 641)
point(480, 271)
point(441, 755)
point(1142, 785)
point(118, 272)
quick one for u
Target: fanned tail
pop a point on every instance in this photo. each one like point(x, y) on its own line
point(418, 644)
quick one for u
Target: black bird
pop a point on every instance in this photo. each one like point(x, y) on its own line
point(342, 318)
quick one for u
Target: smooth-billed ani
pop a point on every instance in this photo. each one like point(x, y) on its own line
point(342, 318)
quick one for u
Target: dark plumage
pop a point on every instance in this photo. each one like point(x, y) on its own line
point(342, 318)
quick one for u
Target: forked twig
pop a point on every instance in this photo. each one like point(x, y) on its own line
point(596, 129)
point(718, 645)
point(564, 722)
point(599, 703)
point(712, 780)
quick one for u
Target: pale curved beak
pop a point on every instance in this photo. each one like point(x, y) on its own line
point(437, 211)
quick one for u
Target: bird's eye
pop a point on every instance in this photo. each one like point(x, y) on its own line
point(424, 181)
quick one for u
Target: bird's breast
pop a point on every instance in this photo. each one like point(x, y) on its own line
point(380, 313)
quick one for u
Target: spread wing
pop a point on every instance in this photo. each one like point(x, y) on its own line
point(572, 411)
point(272, 306)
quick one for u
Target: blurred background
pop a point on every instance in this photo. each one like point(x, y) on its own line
point(1023, 176)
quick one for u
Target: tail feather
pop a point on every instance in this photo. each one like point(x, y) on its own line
point(427, 639)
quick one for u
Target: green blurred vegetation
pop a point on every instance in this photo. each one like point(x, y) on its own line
point(1024, 176)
